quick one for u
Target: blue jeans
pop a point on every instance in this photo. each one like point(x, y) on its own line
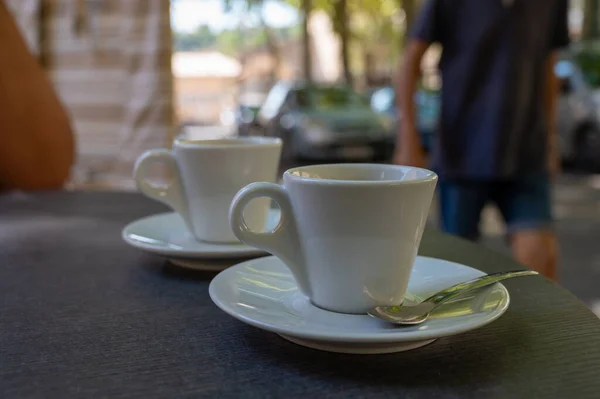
point(525, 203)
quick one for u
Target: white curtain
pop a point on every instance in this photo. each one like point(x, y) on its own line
point(110, 62)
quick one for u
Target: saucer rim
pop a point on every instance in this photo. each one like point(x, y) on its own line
point(398, 335)
point(239, 250)
point(431, 176)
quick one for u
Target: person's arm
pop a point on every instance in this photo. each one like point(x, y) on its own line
point(559, 39)
point(551, 99)
point(36, 141)
point(409, 150)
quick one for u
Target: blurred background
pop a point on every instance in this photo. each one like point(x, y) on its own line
point(319, 74)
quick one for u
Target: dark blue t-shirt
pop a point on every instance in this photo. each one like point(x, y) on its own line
point(492, 122)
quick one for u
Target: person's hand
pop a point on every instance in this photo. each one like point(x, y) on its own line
point(554, 164)
point(409, 152)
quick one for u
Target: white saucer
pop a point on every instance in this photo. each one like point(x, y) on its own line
point(166, 234)
point(262, 293)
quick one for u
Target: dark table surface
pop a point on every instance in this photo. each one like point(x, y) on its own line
point(84, 315)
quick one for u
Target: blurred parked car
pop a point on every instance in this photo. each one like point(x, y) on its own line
point(324, 122)
point(578, 121)
point(383, 101)
point(243, 115)
point(578, 124)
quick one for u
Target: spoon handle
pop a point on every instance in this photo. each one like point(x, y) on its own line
point(471, 285)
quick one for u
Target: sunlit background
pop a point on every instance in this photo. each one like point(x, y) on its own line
point(136, 74)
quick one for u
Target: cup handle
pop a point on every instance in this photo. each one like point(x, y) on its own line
point(283, 241)
point(171, 195)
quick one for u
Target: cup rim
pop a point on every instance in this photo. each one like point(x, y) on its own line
point(229, 143)
point(430, 176)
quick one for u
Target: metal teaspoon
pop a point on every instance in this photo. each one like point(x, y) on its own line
point(417, 314)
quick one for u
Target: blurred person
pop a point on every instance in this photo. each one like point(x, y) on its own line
point(36, 141)
point(496, 135)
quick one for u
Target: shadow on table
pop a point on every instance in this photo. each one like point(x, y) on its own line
point(174, 272)
point(478, 354)
point(105, 206)
point(170, 270)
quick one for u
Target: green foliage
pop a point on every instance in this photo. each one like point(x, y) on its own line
point(232, 41)
point(373, 20)
point(373, 24)
point(587, 56)
point(247, 4)
point(201, 38)
point(369, 22)
point(229, 41)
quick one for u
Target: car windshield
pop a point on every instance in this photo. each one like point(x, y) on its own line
point(329, 98)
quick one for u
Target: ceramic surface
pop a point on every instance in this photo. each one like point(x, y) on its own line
point(205, 177)
point(166, 234)
point(349, 232)
point(263, 293)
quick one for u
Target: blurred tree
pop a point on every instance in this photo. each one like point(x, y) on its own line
point(410, 10)
point(306, 7)
point(341, 27)
point(256, 8)
point(306, 47)
point(591, 16)
point(359, 25)
point(272, 44)
point(231, 41)
point(363, 26)
point(202, 37)
point(376, 31)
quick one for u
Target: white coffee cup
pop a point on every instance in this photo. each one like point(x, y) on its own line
point(349, 233)
point(206, 175)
